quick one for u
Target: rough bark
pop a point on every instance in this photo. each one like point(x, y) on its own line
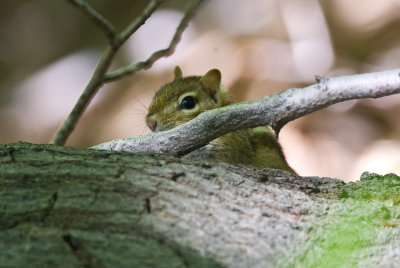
point(65, 207)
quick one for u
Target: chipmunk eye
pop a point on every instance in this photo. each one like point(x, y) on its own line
point(188, 103)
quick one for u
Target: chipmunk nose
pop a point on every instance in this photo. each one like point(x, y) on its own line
point(152, 124)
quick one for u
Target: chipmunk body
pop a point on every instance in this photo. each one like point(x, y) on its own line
point(186, 97)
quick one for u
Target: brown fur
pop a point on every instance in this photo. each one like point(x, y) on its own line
point(256, 146)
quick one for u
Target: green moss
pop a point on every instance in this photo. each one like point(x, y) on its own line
point(373, 187)
point(355, 225)
point(339, 241)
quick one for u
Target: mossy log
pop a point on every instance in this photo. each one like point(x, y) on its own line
point(66, 207)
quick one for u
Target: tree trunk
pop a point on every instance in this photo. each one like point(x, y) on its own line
point(66, 207)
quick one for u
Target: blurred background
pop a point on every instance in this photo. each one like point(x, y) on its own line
point(48, 51)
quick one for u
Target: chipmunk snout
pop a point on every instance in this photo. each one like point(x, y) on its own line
point(152, 124)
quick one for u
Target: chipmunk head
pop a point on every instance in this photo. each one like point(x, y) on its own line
point(185, 98)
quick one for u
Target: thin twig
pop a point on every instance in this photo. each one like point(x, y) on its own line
point(97, 18)
point(149, 9)
point(134, 67)
point(277, 109)
point(94, 84)
point(96, 81)
point(99, 77)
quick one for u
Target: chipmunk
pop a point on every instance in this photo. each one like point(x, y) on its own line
point(186, 97)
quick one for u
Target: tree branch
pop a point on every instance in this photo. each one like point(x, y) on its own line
point(66, 128)
point(275, 110)
point(149, 9)
point(97, 18)
point(137, 66)
point(100, 77)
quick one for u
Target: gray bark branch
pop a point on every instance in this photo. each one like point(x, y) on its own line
point(275, 110)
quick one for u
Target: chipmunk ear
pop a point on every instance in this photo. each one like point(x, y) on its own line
point(211, 82)
point(177, 73)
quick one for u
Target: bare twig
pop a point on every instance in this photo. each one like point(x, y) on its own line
point(94, 84)
point(100, 77)
point(97, 18)
point(133, 68)
point(275, 110)
point(149, 9)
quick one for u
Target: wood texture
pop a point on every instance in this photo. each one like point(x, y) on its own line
point(65, 207)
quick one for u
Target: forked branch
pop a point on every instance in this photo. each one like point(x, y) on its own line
point(133, 68)
point(100, 75)
point(96, 17)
